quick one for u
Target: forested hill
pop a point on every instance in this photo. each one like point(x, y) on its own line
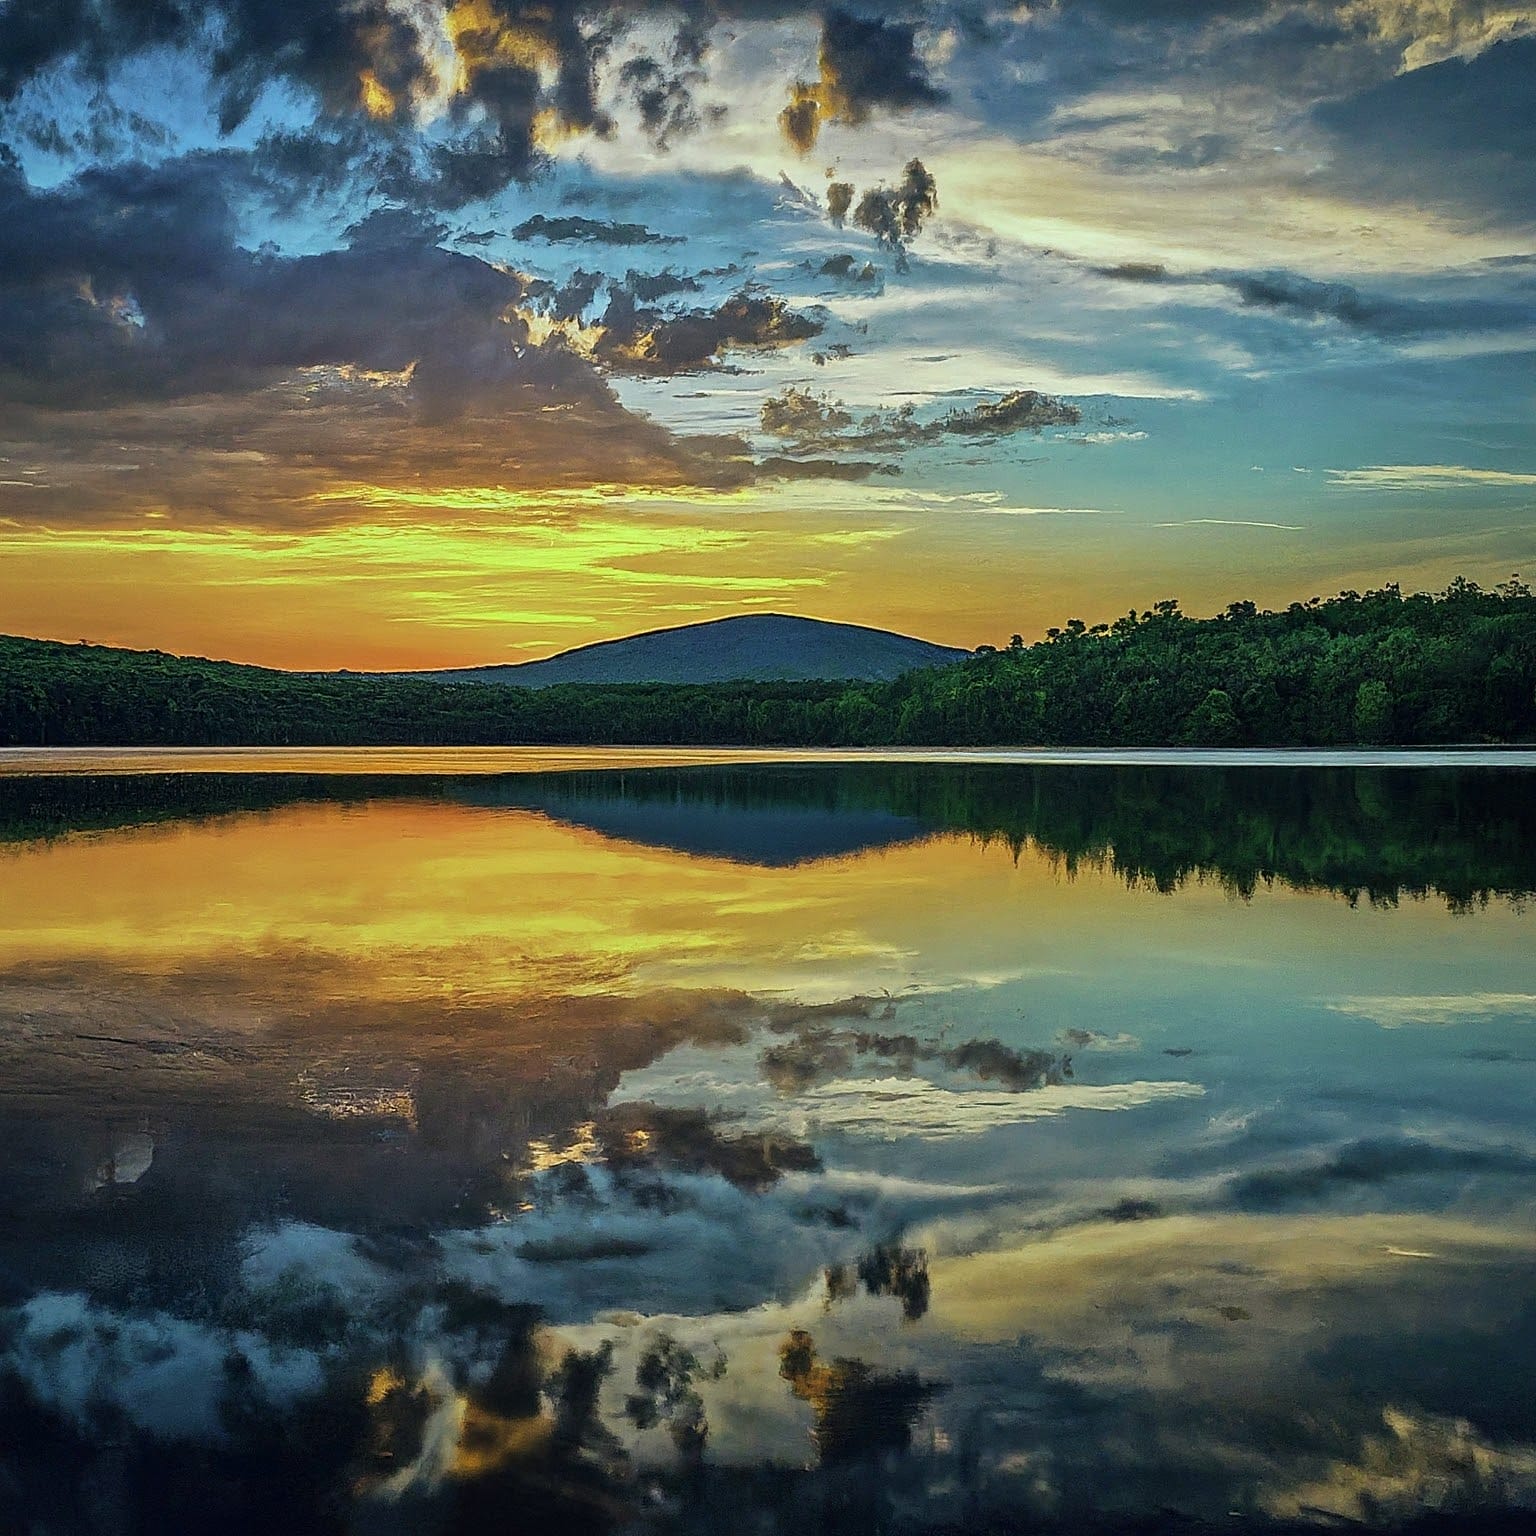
point(1382, 668)
point(756, 646)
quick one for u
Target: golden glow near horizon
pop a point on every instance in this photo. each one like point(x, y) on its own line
point(470, 575)
point(555, 573)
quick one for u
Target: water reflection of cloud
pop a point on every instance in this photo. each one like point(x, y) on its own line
point(391, 1142)
point(164, 1373)
point(1184, 1344)
point(746, 1089)
point(889, 1108)
point(1416, 1462)
point(1457, 1008)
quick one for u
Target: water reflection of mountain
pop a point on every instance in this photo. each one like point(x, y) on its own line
point(1371, 833)
point(723, 822)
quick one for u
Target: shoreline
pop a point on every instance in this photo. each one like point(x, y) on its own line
point(17, 762)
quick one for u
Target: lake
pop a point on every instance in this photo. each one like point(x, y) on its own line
point(400, 1143)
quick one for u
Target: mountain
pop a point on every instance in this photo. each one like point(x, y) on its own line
point(762, 646)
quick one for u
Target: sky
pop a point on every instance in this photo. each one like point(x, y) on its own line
point(392, 333)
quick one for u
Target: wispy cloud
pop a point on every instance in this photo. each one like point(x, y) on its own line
point(988, 503)
point(1424, 477)
point(948, 498)
point(1230, 522)
point(1051, 511)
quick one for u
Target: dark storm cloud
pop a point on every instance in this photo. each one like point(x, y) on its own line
point(1459, 134)
point(328, 47)
point(1136, 272)
point(518, 69)
point(99, 130)
point(665, 102)
point(817, 1055)
point(639, 1138)
point(570, 299)
point(663, 89)
point(127, 284)
point(1286, 292)
point(843, 271)
point(777, 467)
point(316, 166)
point(110, 222)
point(637, 339)
point(572, 228)
point(37, 33)
point(636, 293)
point(466, 171)
point(1362, 72)
point(1307, 299)
point(124, 292)
point(896, 215)
point(647, 287)
point(817, 422)
point(875, 63)
point(303, 452)
point(1024, 410)
point(866, 63)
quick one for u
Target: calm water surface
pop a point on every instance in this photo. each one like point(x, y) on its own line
point(857, 1147)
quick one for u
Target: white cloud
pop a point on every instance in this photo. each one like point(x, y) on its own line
point(1431, 31)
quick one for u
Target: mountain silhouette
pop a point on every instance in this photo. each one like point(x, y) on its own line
point(759, 646)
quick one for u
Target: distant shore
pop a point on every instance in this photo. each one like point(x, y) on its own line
point(1375, 672)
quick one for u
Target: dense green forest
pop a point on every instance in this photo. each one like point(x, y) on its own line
point(1375, 668)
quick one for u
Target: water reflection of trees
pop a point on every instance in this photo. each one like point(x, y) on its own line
point(478, 1423)
point(492, 1422)
point(887, 1269)
point(1367, 833)
point(861, 1411)
point(1371, 833)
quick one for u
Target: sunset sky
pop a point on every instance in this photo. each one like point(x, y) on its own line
point(407, 333)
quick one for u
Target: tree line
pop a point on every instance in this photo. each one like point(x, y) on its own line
point(1378, 668)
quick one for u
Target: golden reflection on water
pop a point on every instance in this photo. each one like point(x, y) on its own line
point(431, 900)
